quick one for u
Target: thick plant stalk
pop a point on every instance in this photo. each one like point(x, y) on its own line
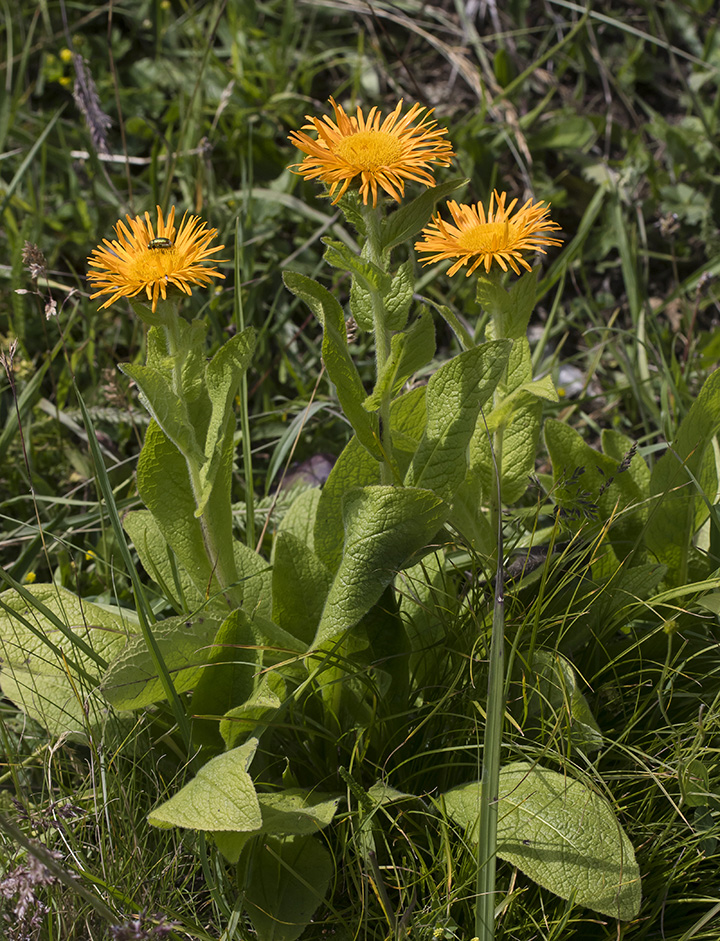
point(372, 219)
point(488, 818)
point(244, 413)
point(219, 553)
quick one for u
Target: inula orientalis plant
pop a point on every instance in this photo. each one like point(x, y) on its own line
point(296, 677)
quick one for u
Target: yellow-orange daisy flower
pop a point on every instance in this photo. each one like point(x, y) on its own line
point(151, 259)
point(480, 238)
point(382, 154)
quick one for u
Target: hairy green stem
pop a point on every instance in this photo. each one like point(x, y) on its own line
point(221, 556)
point(244, 414)
point(177, 354)
point(495, 711)
point(373, 218)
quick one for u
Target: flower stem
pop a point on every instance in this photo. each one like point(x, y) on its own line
point(495, 709)
point(177, 354)
point(219, 553)
point(244, 413)
point(373, 218)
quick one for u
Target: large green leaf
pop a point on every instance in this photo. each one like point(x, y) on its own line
point(561, 834)
point(166, 408)
point(186, 464)
point(131, 680)
point(161, 565)
point(398, 298)
point(191, 344)
point(678, 507)
point(427, 606)
point(45, 672)
point(294, 811)
point(300, 586)
point(232, 664)
point(287, 880)
point(519, 450)
point(384, 528)
point(284, 813)
point(356, 468)
point(517, 398)
point(336, 356)
point(253, 715)
point(455, 394)
point(409, 351)
point(471, 517)
point(619, 447)
point(362, 306)
point(299, 520)
point(166, 490)
point(588, 483)
point(386, 379)
point(254, 579)
point(517, 408)
point(220, 797)
point(183, 417)
point(419, 348)
point(223, 375)
point(519, 415)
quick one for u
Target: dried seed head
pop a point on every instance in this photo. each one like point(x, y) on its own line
point(34, 261)
point(87, 99)
point(20, 885)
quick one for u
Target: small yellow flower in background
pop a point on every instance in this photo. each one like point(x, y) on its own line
point(482, 238)
point(151, 260)
point(66, 55)
point(381, 154)
point(30, 577)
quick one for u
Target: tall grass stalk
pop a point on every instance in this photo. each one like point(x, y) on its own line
point(492, 741)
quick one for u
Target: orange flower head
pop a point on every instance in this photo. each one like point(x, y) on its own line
point(151, 260)
point(480, 238)
point(382, 153)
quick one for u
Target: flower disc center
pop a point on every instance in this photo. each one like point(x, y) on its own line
point(488, 237)
point(369, 150)
point(154, 265)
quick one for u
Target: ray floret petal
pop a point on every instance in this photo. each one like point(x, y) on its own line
point(370, 152)
point(476, 237)
point(151, 260)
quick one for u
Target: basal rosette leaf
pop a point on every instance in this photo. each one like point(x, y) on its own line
point(683, 484)
point(221, 796)
point(53, 674)
point(561, 834)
